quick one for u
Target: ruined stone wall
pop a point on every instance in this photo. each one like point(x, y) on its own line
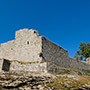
point(7, 50)
point(31, 67)
point(1, 64)
point(15, 65)
point(59, 56)
point(51, 51)
point(26, 46)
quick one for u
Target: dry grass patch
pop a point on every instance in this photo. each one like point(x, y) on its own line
point(65, 82)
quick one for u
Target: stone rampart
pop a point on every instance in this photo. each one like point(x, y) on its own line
point(59, 56)
point(28, 46)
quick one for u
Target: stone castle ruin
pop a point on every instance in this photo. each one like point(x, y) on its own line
point(31, 52)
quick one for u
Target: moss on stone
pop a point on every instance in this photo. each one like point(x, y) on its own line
point(40, 54)
point(22, 62)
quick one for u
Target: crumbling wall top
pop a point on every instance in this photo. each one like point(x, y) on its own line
point(26, 31)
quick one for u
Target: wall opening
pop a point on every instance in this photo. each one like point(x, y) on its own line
point(6, 65)
point(11, 48)
point(34, 31)
point(27, 42)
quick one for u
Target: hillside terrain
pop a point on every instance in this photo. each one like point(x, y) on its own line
point(67, 79)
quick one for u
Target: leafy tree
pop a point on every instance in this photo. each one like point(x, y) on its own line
point(83, 52)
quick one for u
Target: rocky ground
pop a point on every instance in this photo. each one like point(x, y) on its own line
point(43, 81)
point(24, 80)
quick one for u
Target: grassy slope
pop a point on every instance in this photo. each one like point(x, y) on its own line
point(71, 82)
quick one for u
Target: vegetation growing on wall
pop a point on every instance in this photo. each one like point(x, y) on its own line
point(40, 54)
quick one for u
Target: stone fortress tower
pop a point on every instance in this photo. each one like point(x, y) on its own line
point(31, 52)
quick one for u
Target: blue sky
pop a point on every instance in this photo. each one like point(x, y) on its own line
point(65, 22)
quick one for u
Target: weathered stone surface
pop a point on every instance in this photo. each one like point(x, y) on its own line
point(52, 68)
point(42, 81)
point(24, 80)
point(28, 46)
point(59, 56)
point(31, 67)
point(1, 63)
